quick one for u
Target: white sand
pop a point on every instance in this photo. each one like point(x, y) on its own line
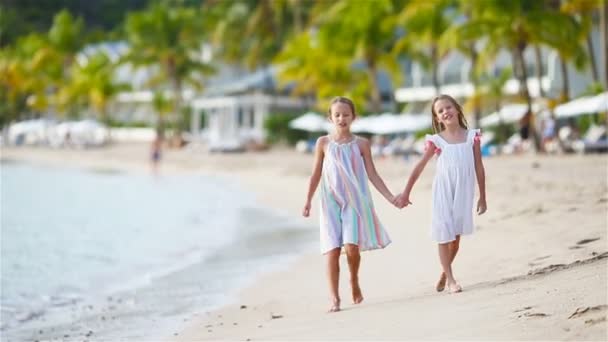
point(539, 208)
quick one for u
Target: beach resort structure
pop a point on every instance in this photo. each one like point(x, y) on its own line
point(454, 75)
point(230, 111)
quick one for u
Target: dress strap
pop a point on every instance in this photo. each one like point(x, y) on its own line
point(473, 135)
point(433, 140)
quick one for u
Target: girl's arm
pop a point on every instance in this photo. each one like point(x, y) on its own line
point(316, 173)
point(481, 177)
point(372, 174)
point(404, 199)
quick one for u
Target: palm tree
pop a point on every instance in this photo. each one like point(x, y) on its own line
point(314, 69)
point(604, 39)
point(425, 22)
point(456, 38)
point(267, 24)
point(514, 25)
point(364, 31)
point(583, 11)
point(29, 70)
point(170, 38)
point(92, 83)
point(66, 38)
point(162, 105)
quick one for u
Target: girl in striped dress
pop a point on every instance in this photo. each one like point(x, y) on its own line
point(342, 165)
point(459, 164)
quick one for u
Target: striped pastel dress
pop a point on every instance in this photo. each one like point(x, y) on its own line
point(347, 211)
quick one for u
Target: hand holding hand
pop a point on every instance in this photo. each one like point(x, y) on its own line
point(395, 200)
point(481, 206)
point(402, 201)
point(306, 210)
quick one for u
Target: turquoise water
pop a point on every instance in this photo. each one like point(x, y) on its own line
point(106, 253)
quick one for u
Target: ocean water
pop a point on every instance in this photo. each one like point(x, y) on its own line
point(102, 254)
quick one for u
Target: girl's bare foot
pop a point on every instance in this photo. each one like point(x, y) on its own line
point(357, 295)
point(454, 288)
point(335, 307)
point(441, 283)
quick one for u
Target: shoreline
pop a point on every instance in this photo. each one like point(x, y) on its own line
point(537, 208)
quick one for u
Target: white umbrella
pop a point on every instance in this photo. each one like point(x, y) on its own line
point(388, 123)
point(583, 105)
point(508, 114)
point(311, 122)
point(412, 122)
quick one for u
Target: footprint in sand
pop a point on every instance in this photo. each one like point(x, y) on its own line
point(588, 309)
point(534, 314)
point(595, 321)
point(586, 241)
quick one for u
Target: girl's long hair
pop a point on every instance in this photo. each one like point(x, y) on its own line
point(437, 126)
point(342, 99)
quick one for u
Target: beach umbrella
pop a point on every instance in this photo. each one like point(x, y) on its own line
point(311, 122)
point(389, 123)
point(508, 114)
point(583, 105)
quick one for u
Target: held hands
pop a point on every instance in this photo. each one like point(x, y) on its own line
point(306, 210)
point(481, 206)
point(402, 200)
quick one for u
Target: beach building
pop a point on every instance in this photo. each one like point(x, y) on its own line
point(454, 76)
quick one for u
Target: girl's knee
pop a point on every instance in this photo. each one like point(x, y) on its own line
point(334, 253)
point(351, 250)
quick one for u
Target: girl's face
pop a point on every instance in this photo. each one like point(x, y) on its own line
point(342, 116)
point(446, 113)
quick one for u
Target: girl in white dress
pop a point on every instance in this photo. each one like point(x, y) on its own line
point(458, 164)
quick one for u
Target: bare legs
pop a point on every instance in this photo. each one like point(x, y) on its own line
point(354, 260)
point(447, 254)
point(333, 274)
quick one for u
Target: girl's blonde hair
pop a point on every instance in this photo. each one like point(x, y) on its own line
point(438, 126)
point(342, 99)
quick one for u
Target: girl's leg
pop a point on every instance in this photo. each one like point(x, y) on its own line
point(354, 260)
point(453, 249)
point(333, 274)
point(445, 256)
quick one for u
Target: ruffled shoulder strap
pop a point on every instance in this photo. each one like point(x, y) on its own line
point(433, 140)
point(473, 135)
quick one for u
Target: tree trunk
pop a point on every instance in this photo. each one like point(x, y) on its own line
point(565, 96)
point(604, 40)
point(434, 68)
point(502, 128)
point(525, 93)
point(375, 88)
point(177, 101)
point(475, 81)
point(539, 70)
point(592, 61)
point(522, 76)
point(297, 13)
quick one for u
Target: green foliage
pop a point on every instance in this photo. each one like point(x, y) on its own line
point(422, 133)
point(122, 124)
point(277, 128)
point(168, 37)
point(22, 17)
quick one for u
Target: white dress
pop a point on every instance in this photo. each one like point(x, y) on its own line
point(453, 188)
